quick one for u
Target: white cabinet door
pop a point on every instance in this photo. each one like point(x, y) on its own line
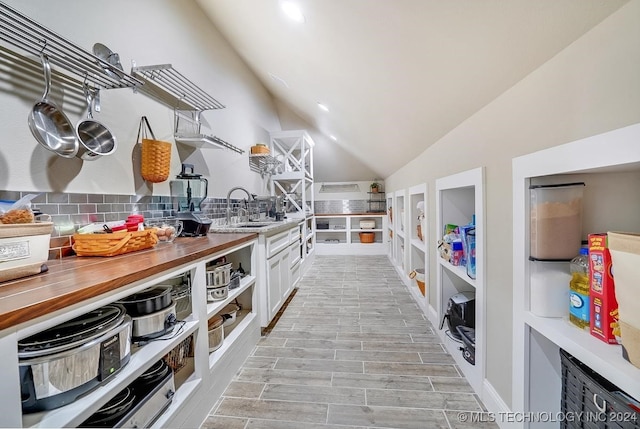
point(285, 276)
point(274, 297)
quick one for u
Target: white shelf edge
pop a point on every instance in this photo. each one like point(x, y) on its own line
point(215, 307)
point(601, 357)
point(71, 415)
point(418, 244)
point(459, 271)
point(183, 394)
point(243, 322)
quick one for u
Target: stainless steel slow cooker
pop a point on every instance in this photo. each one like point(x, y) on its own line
point(66, 361)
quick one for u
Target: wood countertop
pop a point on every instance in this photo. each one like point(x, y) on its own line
point(72, 280)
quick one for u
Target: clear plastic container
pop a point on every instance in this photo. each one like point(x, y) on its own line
point(556, 221)
point(549, 288)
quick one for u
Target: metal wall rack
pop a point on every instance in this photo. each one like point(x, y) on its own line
point(23, 32)
point(168, 86)
point(263, 163)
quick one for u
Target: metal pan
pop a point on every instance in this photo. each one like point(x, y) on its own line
point(49, 125)
point(95, 139)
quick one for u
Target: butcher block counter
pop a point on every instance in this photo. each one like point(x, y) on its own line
point(75, 279)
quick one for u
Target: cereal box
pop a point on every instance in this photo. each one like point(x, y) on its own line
point(604, 307)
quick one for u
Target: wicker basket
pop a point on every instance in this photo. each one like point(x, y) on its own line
point(367, 237)
point(113, 244)
point(155, 159)
point(177, 358)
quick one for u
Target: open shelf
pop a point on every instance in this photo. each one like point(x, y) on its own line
point(606, 161)
point(71, 415)
point(459, 199)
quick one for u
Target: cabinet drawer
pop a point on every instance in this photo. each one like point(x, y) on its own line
point(277, 243)
point(294, 254)
point(294, 236)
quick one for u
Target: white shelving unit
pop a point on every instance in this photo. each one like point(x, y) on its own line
point(399, 235)
point(458, 198)
point(391, 251)
point(342, 237)
point(198, 384)
point(605, 162)
point(417, 256)
point(294, 149)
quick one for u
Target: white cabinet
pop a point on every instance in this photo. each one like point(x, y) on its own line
point(460, 198)
point(340, 234)
point(609, 164)
point(277, 281)
point(281, 256)
point(198, 383)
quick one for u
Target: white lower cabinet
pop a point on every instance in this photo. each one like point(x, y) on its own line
point(202, 374)
point(277, 280)
point(282, 270)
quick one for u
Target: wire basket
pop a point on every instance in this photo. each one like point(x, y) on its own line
point(177, 358)
point(113, 244)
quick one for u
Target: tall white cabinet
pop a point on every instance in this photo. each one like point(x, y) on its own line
point(459, 198)
point(609, 164)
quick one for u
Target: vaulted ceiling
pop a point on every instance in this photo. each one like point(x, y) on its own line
point(396, 75)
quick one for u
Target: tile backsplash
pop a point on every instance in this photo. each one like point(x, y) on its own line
point(70, 211)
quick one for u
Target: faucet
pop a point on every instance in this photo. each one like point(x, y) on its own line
point(237, 188)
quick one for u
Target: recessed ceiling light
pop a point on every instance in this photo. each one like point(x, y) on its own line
point(292, 10)
point(323, 107)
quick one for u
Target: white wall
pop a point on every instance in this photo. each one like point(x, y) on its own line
point(590, 87)
point(148, 32)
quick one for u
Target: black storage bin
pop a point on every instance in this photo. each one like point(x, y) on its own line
point(587, 394)
point(322, 224)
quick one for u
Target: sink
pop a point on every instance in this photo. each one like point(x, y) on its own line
point(253, 225)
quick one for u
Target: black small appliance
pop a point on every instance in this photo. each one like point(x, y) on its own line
point(461, 311)
point(188, 191)
point(468, 337)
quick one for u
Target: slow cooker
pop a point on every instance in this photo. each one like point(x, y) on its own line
point(152, 311)
point(66, 361)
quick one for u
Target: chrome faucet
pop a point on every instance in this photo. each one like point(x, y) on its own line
point(237, 188)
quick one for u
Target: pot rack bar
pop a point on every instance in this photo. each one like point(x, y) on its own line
point(167, 85)
point(22, 32)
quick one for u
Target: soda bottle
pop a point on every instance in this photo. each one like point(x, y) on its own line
point(579, 303)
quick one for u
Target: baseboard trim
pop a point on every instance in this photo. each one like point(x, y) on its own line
point(499, 409)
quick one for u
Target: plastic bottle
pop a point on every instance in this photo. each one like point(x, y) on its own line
point(579, 303)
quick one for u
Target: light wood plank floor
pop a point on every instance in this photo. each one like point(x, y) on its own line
point(351, 350)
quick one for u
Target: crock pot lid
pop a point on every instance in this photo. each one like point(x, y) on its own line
point(81, 329)
point(215, 322)
point(147, 294)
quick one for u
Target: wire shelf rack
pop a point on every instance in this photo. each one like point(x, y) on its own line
point(18, 30)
